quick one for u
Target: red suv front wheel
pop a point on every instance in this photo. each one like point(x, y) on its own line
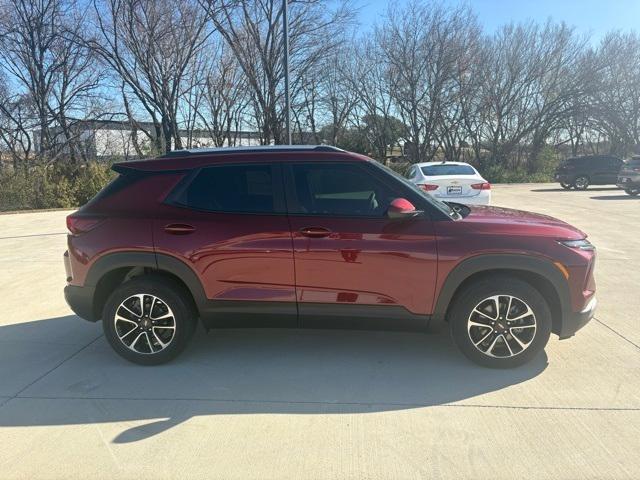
point(500, 322)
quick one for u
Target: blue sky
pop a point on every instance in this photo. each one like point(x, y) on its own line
point(594, 17)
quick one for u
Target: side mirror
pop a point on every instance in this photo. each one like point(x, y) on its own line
point(402, 208)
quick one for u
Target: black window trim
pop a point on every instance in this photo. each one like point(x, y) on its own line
point(279, 203)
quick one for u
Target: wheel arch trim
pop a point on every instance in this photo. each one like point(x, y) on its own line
point(156, 261)
point(514, 262)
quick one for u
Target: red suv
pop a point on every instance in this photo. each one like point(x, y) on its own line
point(316, 237)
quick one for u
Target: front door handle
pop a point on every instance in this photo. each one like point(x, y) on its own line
point(179, 229)
point(315, 232)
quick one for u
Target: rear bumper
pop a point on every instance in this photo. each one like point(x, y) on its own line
point(576, 320)
point(80, 299)
point(483, 198)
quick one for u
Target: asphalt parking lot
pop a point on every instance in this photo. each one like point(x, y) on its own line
point(320, 404)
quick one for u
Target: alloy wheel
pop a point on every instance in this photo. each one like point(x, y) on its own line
point(502, 326)
point(581, 183)
point(145, 324)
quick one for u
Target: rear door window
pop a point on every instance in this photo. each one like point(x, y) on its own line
point(231, 188)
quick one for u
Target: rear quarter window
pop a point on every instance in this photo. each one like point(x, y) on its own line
point(118, 184)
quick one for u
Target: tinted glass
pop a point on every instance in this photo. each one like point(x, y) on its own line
point(116, 185)
point(634, 162)
point(433, 170)
point(411, 172)
point(339, 189)
point(232, 188)
point(415, 190)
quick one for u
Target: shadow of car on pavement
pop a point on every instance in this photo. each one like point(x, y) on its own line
point(615, 197)
point(590, 189)
point(250, 371)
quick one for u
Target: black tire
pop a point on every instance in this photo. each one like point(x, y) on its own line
point(472, 296)
point(632, 191)
point(171, 299)
point(566, 186)
point(581, 182)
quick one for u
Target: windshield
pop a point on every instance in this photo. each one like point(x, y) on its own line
point(434, 170)
point(443, 207)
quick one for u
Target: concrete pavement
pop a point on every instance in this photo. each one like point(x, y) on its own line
point(319, 404)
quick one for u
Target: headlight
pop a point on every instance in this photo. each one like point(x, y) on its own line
point(583, 244)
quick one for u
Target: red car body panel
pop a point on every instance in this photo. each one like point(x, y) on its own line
point(126, 224)
point(236, 257)
point(489, 230)
point(367, 261)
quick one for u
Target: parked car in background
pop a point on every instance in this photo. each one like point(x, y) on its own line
point(629, 176)
point(451, 181)
point(316, 237)
point(580, 172)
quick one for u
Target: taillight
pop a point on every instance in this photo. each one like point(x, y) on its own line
point(76, 224)
point(427, 187)
point(481, 186)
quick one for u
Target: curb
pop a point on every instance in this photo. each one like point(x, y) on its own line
point(41, 210)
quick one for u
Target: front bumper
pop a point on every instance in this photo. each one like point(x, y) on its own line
point(80, 299)
point(576, 320)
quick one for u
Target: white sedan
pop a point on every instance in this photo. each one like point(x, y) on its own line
point(451, 181)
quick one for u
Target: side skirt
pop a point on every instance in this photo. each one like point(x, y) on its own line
point(257, 314)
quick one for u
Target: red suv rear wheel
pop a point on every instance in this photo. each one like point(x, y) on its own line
point(147, 320)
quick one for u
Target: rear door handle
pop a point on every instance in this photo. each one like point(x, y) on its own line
point(179, 229)
point(315, 232)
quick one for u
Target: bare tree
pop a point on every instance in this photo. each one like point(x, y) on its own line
point(16, 117)
point(55, 75)
point(422, 46)
point(615, 102)
point(253, 31)
point(220, 100)
point(527, 86)
point(152, 46)
point(373, 114)
point(425, 79)
point(338, 98)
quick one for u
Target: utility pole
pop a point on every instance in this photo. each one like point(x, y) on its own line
point(285, 20)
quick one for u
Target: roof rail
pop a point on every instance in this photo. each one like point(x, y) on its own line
point(256, 149)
